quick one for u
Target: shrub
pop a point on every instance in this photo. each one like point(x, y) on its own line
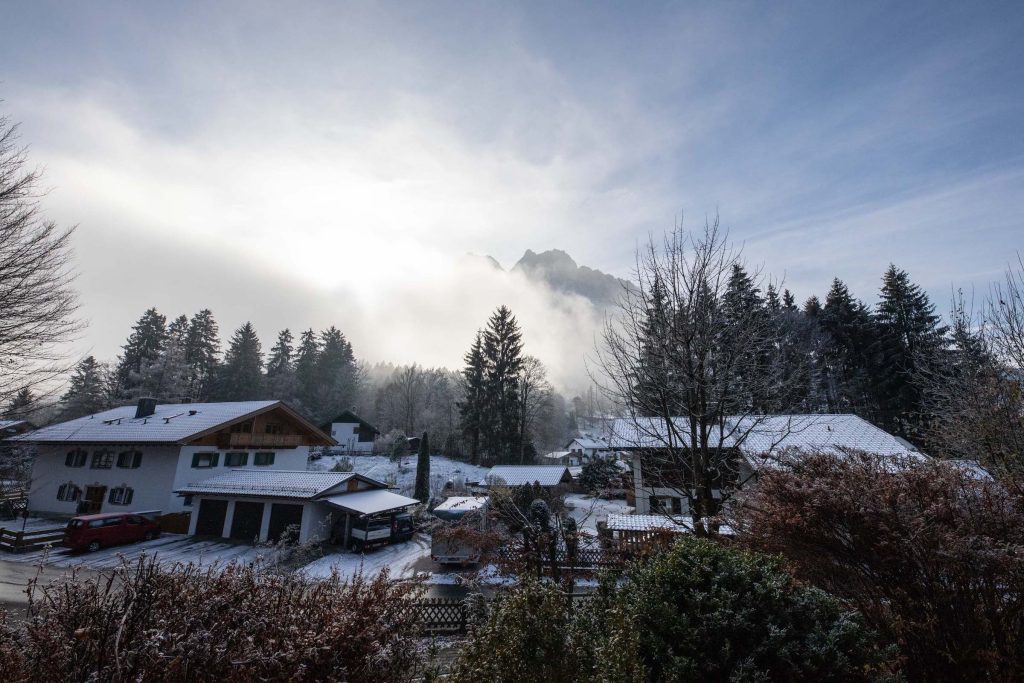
point(142, 623)
point(929, 554)
point(599, 474)
point(696, 612)
point(343, 464)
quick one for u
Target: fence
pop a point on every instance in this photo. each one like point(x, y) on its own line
point(437, 616)
point(592, 558)
point(18, 541)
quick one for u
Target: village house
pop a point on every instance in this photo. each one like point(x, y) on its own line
point(545, 476)
point(259, 505)
point(353, 434)
point(135, 457)
point(755, 443)
point(567, 458)
point(586, 448)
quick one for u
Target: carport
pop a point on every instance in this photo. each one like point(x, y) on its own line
point(373, 503)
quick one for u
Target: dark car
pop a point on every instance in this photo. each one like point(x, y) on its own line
point(92, 532)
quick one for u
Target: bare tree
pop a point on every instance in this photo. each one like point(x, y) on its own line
point(694, 369)
point(37, 303)
point(534, 399)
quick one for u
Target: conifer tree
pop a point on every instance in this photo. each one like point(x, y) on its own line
point(471, 408)
point(242, 373)
point(422, 492)
point(202, 349)
point(87, 392)
point(21, 406)
point(280, 367)
point(306, 361)
point(143, 348)
point(788, 300)
point(846, 362)
point(336, 375)
point(502, 350)
point(908, 330)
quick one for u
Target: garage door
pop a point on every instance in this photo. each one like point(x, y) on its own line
point(211, 517)
point(245, 524)
point(282, 516)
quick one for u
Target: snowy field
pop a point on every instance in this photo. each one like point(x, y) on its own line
point(589, 510)
point(402, 473)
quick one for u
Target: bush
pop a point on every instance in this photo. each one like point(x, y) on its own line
point(929, 554)
point(696, 612)
point(142, 623)
point(343, 464)
point(599, 474)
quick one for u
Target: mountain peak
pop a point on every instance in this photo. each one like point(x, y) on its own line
point(559, 271)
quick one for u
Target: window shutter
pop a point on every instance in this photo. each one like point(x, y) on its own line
point(213, 461)
point(61, 490)
point(128, 495)
point(195, 460)
point(67, 460)
point(110, 497)
point(136, 459)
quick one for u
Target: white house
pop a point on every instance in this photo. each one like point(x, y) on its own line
point(258, 505)
point(586, 448)
point(757, 442)
point(135, 457)
point(353, 433)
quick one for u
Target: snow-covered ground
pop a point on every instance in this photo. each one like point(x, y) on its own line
point(32, 524)
point(168, 549)
point(402, 473)
point(403, 560)
point(589, 510)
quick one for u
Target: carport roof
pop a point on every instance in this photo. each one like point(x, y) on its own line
point(298, 484)
point(370, 502)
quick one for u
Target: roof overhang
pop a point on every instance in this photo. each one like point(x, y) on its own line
point(369, 502)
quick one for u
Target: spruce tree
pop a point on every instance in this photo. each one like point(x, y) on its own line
point(908, 331)
point(21, 406)
point(306, 361)
point(653, 393)
point(87, 391)
point(280, 368)
point(471, 408)
point(422, 492)
point(788, 300)
point(242, 373)
point(846, 361)
point(202, 350)
point(502, 350)
point(143, 348)
point(336, 375)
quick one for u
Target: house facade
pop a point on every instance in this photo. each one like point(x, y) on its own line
point(352, 433)
point(260, 505)
point(135, 457)
point(754, 443)
point(585, 448)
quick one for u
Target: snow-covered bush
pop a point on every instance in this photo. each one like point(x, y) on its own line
point(223, 624)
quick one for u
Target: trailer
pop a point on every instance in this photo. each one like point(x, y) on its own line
point(469, 511)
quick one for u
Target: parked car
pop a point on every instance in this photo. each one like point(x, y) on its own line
point(369, 532)
point(92, 532)
point(467, 511)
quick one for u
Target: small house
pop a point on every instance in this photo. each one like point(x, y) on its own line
point(545, 476)
point(353, 434)
point(586, 448)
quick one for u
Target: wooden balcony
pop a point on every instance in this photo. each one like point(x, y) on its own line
point(250, 441)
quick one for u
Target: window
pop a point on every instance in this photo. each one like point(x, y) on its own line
point(76, 458)
point(205, 459)
point(102, 460)
point(132, 519)
point(121, 495)
point(129, 459)
point(235, 459)
point(69, 492)
point(242, 427)
point(187, 501)
point(274, 428)
point(109, 521)
point(263, 459)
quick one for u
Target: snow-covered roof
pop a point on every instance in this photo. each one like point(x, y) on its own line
point(519, 475)
point(11, 427)
point(462, 503)
point(589, 442)
point(175, 423)
point(370, 502)
point(759, 437)
point(617, 522)
point(271, 483)
point(556, 455)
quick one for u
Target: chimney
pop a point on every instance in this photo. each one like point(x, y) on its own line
point(146, 407)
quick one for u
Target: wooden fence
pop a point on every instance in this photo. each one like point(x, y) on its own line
point(18, 541)
point(442, 616)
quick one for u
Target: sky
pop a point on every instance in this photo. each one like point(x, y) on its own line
point(307, 164)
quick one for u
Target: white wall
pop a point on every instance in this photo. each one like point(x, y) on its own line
point(347, 436)
point(317, 520)
point(151, 481)
point(163, 469)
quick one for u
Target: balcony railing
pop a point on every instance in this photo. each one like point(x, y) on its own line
point(243, 440)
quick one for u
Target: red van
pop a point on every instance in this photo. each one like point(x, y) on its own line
point(92, 532)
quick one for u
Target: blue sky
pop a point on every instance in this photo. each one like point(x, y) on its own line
point(337, 158)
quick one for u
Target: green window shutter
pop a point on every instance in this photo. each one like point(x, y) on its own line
point(216, 458)
point(195, 460)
